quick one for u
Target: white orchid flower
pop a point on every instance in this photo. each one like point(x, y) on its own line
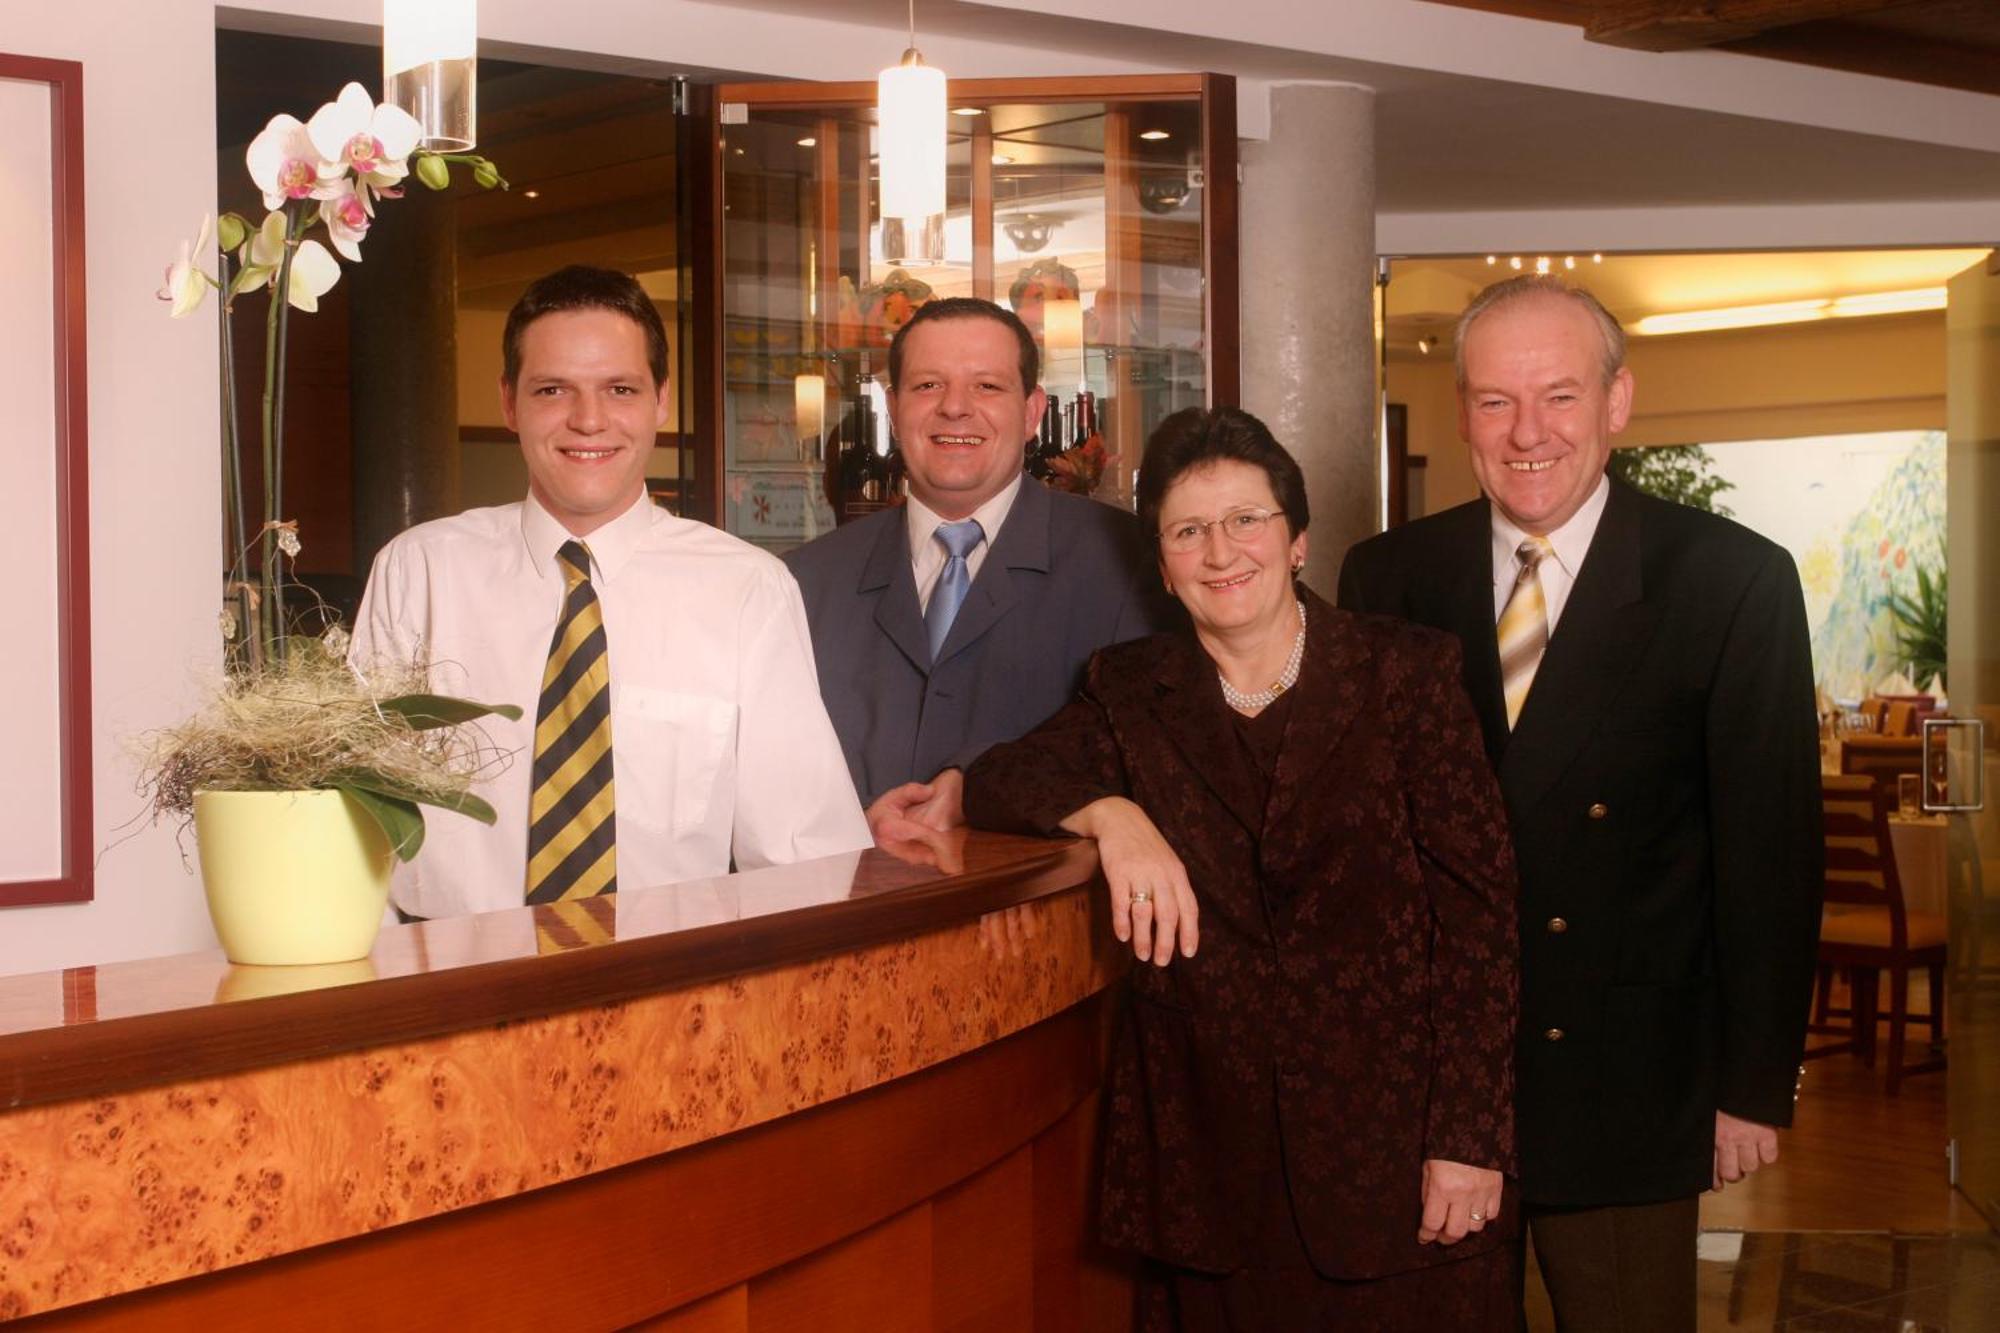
point(284, 163)
point(347, 216)
point(374, 142)
point(187, 284)
point(314, 271)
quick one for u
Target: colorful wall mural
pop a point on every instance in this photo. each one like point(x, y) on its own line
point(1861, 514)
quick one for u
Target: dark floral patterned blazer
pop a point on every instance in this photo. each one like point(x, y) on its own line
point(1351, 1009)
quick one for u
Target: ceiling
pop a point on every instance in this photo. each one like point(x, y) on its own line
point(1454, 142)
point(1425, 295)
point(1947, 43)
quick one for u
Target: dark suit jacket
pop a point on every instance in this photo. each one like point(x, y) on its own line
point(1350, 1011)
point(1065, 577)
point(1663, 787)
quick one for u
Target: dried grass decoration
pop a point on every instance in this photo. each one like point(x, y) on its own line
point(314, 721)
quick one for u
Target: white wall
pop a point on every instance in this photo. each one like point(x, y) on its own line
point(149, 141)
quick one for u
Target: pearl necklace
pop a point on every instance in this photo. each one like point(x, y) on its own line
point(1243, 702)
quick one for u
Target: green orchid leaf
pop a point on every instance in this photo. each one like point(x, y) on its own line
point(401, 822)
point(427, 711)
point(464, 803)
point(469, 805)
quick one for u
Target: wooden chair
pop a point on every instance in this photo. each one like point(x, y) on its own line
point(1882, 758)
point(1865, 929)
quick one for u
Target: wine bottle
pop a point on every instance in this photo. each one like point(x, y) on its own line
point(862, 484)
point(1086, 418)
point(1046, 443)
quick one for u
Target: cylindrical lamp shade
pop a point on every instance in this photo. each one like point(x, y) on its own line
point(430, 68)
point(911, 116)
point(1062, 325)
point(808, 410)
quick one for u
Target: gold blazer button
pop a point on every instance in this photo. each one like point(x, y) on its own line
point(1557, 925)
point(1598, 810)
point(1553, 1034)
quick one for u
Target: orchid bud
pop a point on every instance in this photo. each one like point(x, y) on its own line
point(485, 174)
point(231, 231)
point(432, 171)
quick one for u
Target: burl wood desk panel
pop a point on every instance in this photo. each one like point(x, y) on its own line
point(182, 1117)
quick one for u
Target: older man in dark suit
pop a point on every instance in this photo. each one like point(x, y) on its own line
point(966, 616)
point(1644, 681)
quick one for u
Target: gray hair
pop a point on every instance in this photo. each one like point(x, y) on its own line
point(1546, 285)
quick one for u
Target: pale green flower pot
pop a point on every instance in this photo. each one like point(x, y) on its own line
point(292, 876)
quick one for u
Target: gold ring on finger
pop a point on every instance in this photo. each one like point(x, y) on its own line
point(1141, 896)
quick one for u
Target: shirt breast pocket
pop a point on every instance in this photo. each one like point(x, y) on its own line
point(673, 753)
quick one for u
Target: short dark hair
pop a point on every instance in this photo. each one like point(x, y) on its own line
point(1195, 437)
point(581, 287)
point(969, 307)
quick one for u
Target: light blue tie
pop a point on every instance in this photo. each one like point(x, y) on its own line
point(953, 580)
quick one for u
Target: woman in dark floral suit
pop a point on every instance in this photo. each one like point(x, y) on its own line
point(1309, 1111)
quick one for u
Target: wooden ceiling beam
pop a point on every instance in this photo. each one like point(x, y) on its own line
point(1688, 25)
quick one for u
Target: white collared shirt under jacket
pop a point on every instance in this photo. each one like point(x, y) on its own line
point(720, 744)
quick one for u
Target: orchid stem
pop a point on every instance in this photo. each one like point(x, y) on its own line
point(232, 462)
point(270, 578)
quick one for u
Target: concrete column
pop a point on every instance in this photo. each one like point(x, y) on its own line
point(1308, 271)
point(404, 369)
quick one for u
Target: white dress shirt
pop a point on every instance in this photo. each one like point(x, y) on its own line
point(927, 555)
point(1571, 542)
point(720, 745)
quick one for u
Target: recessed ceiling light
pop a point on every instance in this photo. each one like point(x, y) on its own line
point(1154, 134)
point(967, 111)
point(808, 142)
point(1002, 160)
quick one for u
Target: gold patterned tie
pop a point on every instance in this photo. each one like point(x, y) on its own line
point(1523, 628)
point(576, 923)
point(572, 824)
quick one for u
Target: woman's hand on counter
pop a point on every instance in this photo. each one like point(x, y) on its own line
point(1152, 903)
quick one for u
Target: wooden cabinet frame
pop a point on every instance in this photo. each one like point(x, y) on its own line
point(1216, 94)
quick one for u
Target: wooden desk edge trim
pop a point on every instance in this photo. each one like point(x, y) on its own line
point(120, 1054)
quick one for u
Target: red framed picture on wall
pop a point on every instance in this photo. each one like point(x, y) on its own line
point(45, 782)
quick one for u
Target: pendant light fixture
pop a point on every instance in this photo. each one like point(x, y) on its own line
point(910, 134)
point(430, 68)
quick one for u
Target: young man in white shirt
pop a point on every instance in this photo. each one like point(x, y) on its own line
point(718, 748)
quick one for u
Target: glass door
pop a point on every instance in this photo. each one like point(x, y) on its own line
point(1962, 757)
point(1100, 210)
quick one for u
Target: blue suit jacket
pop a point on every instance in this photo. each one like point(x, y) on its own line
point(1065, 577)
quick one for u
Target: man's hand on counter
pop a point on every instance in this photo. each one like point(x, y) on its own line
point(908, 812)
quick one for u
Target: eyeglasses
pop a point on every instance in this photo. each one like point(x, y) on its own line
point(1241, 526)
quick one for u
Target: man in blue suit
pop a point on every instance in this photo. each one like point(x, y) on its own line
point(965, 616)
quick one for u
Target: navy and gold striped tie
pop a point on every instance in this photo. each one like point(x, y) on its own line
point(572, 822)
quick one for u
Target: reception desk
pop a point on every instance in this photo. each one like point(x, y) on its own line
point(851, 1093)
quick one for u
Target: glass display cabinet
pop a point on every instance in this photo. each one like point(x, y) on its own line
point(1102, 211)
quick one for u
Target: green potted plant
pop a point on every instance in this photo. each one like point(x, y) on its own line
point(305, 774)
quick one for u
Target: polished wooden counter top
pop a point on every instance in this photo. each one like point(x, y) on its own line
point(169, 1125)
point(89, 1031)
